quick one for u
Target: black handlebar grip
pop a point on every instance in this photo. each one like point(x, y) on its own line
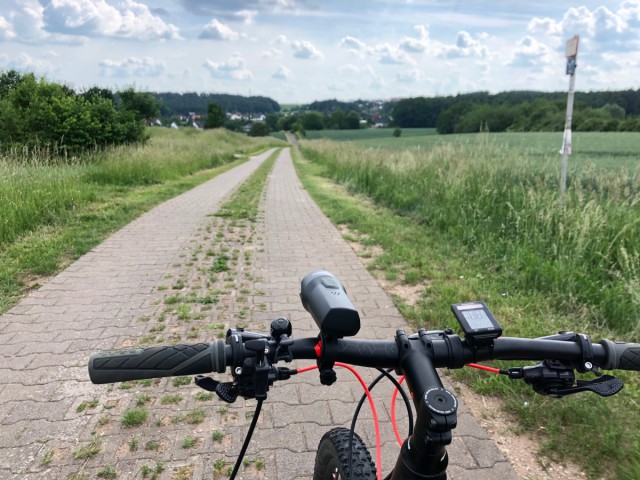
point(136, 364)
point(621, 356)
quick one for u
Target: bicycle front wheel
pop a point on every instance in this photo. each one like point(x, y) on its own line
point(332, 457)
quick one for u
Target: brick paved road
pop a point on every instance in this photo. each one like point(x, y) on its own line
point(106, 299)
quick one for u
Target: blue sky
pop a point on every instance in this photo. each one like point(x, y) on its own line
point(303, 50)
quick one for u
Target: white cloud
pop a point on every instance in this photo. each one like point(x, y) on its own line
point(129, 19)
point(247, 16)
point(531, 53)
point(282, 73)
point(416, 45)
point(352, 43)
point(24, 62)
point(273, 52)
point(6, 30)
point(234, 68)
point(305, 50)
point(216, 30)
point(601, 28)
point(392, 56)
point(466, 46)
point(280, 40)
point(410, 76)
point(132, 67)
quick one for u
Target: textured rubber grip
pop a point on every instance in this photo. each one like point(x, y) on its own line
point(155, 362)
point(621, 356)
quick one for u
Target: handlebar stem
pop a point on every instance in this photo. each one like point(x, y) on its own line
point(423, 455)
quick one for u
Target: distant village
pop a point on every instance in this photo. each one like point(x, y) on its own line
point(371, 115)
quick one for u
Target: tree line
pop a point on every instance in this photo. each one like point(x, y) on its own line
point(174, 104)
point(39, 113)
point(520, 111)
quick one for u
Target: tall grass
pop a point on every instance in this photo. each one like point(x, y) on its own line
point(39, 189)
point(503, 206)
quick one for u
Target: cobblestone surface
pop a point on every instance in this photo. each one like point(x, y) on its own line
point(179, 274)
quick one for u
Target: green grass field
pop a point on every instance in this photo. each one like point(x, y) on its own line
point(470, 217)
point(606, 149)
point(371, 134)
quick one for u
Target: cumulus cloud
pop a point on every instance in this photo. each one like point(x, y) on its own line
point(419, 44)
point(531, 53)
point(246, 16)
point(24, 23)
point(128, 19)
point(24, 62)
point(352, 43)
point(305, 50)
point(466, 46)
point(603, 28)
point(216, 30)
point(392, 56)
point(234, 68)
point(132, 67)
point(410, 76)
point(6, 30)
point(280, 40)
point(273, 52)
point(282, 73)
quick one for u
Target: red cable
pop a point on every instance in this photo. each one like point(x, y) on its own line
point(375, 416)
point(483, 367)
point(373, 410)
point(393, 412)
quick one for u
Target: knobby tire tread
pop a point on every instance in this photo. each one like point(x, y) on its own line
point(333, 451)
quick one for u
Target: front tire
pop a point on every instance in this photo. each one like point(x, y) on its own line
point(332, 457)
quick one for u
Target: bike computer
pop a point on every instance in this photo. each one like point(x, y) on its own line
point(478, 324)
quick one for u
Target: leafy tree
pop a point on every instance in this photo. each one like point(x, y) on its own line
point(9, 80)
point(335, 120)
point(215, 116)
point(141, 104)
point(616, 112)
point(259, 129)
point(272, 121)
point(313, 121)
point(287, 122)
point(37, 112)
point(352, 121)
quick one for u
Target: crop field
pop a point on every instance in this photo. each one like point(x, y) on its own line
point(467, 217)
point(371, 134)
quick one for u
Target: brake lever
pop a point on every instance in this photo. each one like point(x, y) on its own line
point(553, 378)
point(605, 386)
point(227, 391)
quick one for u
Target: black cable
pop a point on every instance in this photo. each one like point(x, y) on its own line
point(247, 439)
point(407, 403)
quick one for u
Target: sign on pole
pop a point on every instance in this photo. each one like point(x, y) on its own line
point(571, 52)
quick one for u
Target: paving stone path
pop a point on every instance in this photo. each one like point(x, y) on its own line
point(181, 274)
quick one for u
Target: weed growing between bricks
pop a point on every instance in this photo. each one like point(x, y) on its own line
point(209, 291)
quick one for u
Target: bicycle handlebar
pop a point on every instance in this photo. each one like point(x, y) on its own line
point(155, 362)
point(201, 358)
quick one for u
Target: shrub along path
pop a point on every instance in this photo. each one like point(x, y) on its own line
point(179, 274)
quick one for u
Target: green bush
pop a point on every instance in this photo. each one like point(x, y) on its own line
point(38, 113)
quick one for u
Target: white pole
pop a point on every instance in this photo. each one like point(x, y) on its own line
point(566, 141)
point(572, 55)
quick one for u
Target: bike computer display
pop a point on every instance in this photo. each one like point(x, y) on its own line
point(478, 323)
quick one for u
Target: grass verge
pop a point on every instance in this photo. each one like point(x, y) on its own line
point(83, 207)
point(447, 271)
